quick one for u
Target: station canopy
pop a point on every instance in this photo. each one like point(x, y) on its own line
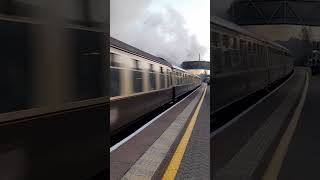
point(255, 12)
point(205, 65)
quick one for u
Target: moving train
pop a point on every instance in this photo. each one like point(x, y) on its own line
point(243, 63)
point(141, 83)
point(53, 93)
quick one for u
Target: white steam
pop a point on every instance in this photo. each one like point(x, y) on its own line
point(162, 34)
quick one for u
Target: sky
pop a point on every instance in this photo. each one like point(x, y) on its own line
point(177, 30)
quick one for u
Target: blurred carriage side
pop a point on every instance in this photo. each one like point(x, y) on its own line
point(142, 83)
point(243, 63)
point(53, 95)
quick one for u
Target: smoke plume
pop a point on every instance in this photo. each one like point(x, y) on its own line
point(159, 33)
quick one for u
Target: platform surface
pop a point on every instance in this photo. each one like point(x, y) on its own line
point(303, 156)
point(196, 161)
point(151, 149)
point(243, 149)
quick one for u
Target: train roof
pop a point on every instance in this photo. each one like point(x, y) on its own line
point(235, 27)
point(130, 49)
point(179, 68)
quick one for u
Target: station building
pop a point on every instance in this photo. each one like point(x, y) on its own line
point(199, 68)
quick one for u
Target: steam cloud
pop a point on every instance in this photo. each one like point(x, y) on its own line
point(162, 34)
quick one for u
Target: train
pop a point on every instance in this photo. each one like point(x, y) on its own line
point(53, 93)
point(141, 83)
point(243, 63)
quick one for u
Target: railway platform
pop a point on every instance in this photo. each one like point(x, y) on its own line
point(253, 144)
point(174, 145)
point(302, 156)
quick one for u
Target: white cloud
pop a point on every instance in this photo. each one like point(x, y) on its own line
point(161, 28)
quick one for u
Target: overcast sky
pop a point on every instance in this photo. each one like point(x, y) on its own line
point(177, 30)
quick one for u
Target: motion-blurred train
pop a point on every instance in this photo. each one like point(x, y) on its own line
point(243, 63)
point(53, 93)
point(141, 83)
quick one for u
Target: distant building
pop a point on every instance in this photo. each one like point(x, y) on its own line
point(200, 68)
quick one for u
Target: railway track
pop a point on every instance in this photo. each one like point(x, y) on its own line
point(221, 118)
point(134, 127)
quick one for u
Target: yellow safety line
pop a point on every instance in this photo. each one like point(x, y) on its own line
point(273, 169)
point(175, 162)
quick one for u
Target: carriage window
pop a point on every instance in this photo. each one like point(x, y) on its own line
point(225, 41)
point(177, 78)
point(115, 75)
point(137, 78)
point(242, 46)
point(137, 64)
point(115, 81)
point(16, 68)
point(151, 68)
point(182, 78)
point(235, 43)
point(215, 39)
point(168, 78)
point(162, 78)
point(152, 81)
point(152, 78)
point(249, 47)
point(114, 61)
point(19, 72)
